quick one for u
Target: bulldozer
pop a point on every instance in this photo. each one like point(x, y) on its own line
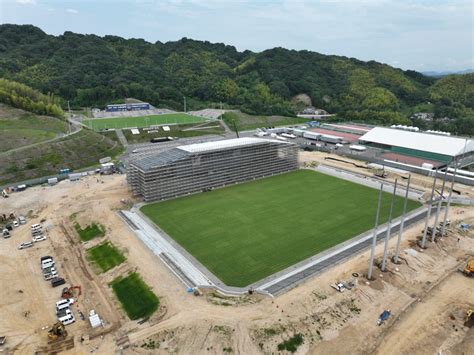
point(469, 269)
point(57, 331)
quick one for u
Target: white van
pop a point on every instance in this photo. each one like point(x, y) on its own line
point(67, 317)
point(47, 263)
point(50, 275)
point(63, 304)
point(35, 227)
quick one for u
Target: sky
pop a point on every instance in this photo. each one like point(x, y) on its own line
point(423, 35)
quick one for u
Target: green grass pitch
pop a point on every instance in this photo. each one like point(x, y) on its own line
point(137, 299)
point(98, 124)
point(246, 232)
point(105, 256)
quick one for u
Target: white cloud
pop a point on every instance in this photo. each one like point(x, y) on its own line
point(26, 2)
point(72, 11)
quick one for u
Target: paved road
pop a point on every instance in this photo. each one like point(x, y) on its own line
point(294, 279)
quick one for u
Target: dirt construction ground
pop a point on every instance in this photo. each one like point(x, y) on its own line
point(427, 296)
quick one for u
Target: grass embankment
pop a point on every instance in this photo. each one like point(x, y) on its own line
point(249, 231)
point(98, 124)
point(105, 256)
point(247, 122)
point(19, 128)
point(92, 231)
point(135, 296)
point(80, 150)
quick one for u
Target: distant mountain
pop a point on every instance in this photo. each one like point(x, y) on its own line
point(90, 70)
point(439, 74)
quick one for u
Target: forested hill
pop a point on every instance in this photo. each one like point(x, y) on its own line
point(90, 70)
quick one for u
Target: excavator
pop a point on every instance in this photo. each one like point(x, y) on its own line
point(68, 292)
point(57, 331)
point(469, 269)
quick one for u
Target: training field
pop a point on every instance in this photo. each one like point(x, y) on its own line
point(98, 124)
point(246, 232)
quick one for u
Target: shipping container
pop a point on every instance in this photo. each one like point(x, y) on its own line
point(311, 135)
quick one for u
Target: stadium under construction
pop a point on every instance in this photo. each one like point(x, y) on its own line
point(204, 166)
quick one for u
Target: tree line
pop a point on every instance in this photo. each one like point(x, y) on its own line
point(23, 97)
point(90, 70)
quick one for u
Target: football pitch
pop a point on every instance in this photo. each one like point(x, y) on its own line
point(246, 232)
point(98, 124)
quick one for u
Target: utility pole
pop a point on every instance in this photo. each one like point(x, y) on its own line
point(374, 238)
point(445, 220)
point(438, 208)
point(423, 242)
point(389, 227)
point(402, 223)
point(184, 98)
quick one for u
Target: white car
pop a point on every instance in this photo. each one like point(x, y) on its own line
point(66, 317)
point(39, 238)
point(16, 224)
point(25, 245)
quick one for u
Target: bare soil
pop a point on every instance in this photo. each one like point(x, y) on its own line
point(426, 294)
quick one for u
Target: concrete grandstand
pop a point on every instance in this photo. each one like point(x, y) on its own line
point(203, 166)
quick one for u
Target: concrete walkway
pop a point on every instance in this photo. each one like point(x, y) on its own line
point(121, 137)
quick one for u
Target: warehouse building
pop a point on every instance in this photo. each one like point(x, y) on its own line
point(422, 145)
point(204, 166)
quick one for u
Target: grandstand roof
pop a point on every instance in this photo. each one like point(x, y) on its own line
point(445, 145)
point(175, 154)
point(163, 158)
point(224, 144)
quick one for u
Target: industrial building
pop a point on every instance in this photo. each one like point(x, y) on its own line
point(204, 166)
point(422, 145)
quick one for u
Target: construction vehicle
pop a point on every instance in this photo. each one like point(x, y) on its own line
point(338, 286)
point(57, 331)
point(383, 317)
point(68, 292)
point(469, 269)
point(470, 315)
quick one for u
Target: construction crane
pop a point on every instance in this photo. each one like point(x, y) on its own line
point(57, 331)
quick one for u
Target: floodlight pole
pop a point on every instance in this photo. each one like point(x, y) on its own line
point(423, 242)
point(402, 222)
point(438, 208)
point(389, 227)
point(374, 238)
point(446, 211)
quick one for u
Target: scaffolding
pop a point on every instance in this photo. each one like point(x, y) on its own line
point(205, 166)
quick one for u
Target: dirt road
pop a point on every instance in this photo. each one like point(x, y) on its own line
point(330, 322)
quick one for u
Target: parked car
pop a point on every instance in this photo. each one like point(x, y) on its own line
point(57, 281)
point(50, 276)
point(6, 233)
point(39, 238)
point(25, 245)
point(22, 220)
point(9, 227)
point(66, 316)
point(16, 224)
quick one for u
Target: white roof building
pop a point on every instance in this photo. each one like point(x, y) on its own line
point(224, 144)
point(420, 141)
